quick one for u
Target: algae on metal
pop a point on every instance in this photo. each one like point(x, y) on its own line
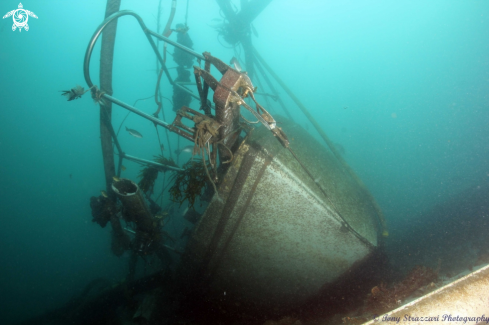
point(189, 183)
point(149, 174)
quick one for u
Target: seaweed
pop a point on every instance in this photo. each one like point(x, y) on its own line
point(148, 177)
point(189, 183)
point(165, 161)
point(149, 173)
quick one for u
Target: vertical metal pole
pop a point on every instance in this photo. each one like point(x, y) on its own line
point(106, 57)
point(120, 240)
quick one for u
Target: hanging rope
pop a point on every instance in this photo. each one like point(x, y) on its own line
point(157, 101)
point(137, 100)
point(203, 126)
point(164, 119)
point(209, 177)
point(167, 31)
point(159, 104)
point(205, 129)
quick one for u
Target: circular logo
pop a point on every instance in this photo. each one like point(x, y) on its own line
point(20, 18)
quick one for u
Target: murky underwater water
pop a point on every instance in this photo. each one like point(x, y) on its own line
point(400, 90)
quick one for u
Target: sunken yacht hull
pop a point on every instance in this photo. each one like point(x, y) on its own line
point(274, 238)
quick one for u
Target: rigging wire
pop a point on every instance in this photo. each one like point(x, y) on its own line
point(260, 84)
point(219, 40)
point(134, 105)
point(186, 15)
point(160, 106)
point(163, 188)
point(164, 119)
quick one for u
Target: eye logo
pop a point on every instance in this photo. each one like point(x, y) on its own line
point(20, 17)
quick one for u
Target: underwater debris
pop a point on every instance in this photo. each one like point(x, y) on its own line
point(189, 183)
point(102, 209)
point(74, 93)
point(382, 299)
point(149, 174)
point(182, 58)
point(97, 95)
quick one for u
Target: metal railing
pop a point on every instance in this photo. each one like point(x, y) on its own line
point(149, 34)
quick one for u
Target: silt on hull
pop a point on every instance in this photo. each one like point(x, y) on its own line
point(275, 239)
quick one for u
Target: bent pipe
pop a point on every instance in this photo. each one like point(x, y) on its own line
point(148, 33)
point(135, 208)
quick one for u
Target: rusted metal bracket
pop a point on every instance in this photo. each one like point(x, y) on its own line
point(196, 117)
point(229, 94)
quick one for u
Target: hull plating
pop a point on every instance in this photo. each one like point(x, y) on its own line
point(274, 238)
